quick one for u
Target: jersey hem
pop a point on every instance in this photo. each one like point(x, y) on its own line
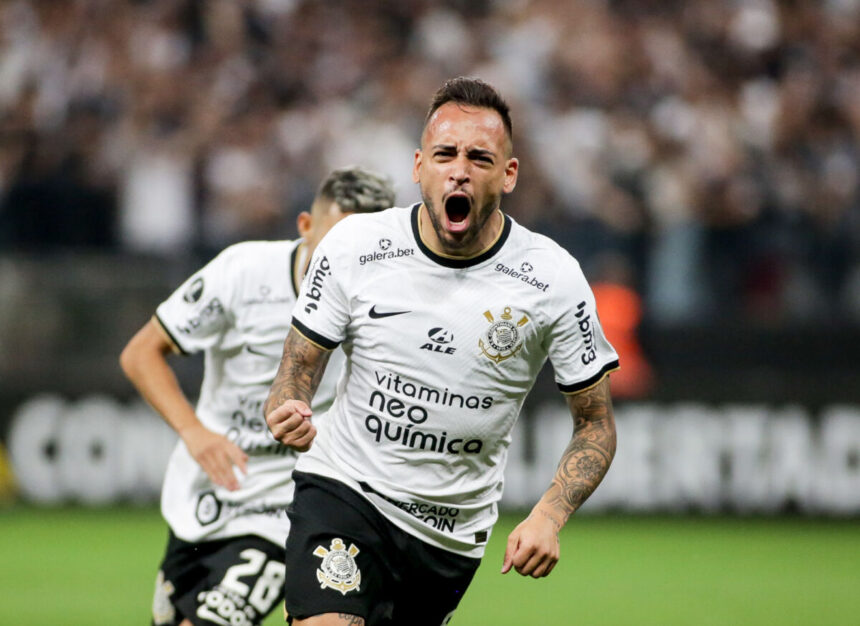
point(225, 533)
point(467, 550)
point(277, 540)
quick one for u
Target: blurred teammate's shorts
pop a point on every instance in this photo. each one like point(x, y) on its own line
point(235, 581)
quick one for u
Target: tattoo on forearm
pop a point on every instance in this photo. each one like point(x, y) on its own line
point(554, 521)
point(586, 459)
point(351, 620)
point(300, 372)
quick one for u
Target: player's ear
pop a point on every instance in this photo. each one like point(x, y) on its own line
point(416, 165)
point(304, 224)
point(512, 167)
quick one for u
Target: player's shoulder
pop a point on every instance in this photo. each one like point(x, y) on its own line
point(540, 247)
point(536, 261)
point(255, 253)
point(358, 230)
point(258, 248)
point(356, 224)
point(248, 264)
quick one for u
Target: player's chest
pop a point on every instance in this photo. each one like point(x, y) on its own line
point(462, 324)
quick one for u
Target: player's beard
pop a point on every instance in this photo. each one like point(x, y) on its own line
point(456, 244)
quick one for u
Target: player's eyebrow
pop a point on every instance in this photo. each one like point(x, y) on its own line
point(481, 152)
point(472, 152)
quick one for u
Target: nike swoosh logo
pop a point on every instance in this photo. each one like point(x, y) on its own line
point(253, 350)
point(374, 314)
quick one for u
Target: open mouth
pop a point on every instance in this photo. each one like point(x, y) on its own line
point(457, 209)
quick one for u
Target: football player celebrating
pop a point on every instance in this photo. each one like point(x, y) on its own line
point(447, 310)
point(228, 480)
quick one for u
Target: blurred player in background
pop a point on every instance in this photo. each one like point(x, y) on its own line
point(228, 481)
point(447, 312)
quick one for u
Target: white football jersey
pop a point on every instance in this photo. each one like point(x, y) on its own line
point(441, 353)
point(236, 310)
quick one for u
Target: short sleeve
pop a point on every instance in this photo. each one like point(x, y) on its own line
point(197, 314)
point(322, 309)
point(578, 349)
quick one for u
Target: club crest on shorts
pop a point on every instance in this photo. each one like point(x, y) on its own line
point(503, 338)
point(339, 569)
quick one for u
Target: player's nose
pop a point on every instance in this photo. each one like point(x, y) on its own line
point(460, 171)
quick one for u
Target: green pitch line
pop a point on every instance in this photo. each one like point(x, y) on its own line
point(77, 566)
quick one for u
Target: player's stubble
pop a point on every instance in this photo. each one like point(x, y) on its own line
point(449, 241)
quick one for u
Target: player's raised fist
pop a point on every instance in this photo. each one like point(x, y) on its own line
point(291, 425)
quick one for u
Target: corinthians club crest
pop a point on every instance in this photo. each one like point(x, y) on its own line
point(503, 338)
point(338, 570)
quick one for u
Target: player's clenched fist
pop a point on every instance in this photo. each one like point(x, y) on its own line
point(533, 548)
point(290, 424)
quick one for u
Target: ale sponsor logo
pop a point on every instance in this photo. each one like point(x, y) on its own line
point(439, 340)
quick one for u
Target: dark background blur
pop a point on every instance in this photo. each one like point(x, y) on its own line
point(700, 159)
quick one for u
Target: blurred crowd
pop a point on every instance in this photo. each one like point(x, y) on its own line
point(703, 153)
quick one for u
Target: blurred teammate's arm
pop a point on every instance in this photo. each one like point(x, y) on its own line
point(144, 361)
point(533, 548)
point(288, 406)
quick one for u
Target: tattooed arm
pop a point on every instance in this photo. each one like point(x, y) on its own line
point(287, 409)
point(533, 548)
point(586, 459)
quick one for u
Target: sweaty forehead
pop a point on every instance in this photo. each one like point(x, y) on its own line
point(454, 123)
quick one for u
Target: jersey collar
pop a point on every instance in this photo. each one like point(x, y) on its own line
point(458, 262)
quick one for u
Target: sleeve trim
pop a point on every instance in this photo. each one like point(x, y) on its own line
point(590, 382)
point(177, 347)
point(314, 337)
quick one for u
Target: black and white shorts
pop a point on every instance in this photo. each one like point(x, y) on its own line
point(235, 581)
point(343, 556)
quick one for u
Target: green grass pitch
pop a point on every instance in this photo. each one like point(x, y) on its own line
point(77, 566)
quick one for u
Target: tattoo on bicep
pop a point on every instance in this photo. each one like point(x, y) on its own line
point(351, 620)
point(586, 459)
point(302, 367)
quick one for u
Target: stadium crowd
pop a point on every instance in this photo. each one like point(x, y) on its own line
point(705, 153)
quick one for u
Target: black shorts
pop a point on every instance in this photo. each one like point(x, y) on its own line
point(343, 556)
point(235, 581)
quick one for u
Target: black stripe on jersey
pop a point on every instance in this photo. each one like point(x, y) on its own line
point(322, 342)
point(585, 384)
point(458, 263)
point(170, 335)
point(293, 282)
